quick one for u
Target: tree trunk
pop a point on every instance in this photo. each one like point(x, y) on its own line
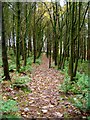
point(18, 38)
point(47, 46)
point(78, 43)
point(88, 56)
point(14, 49)
point(29, 44)
point(34, 34)
point(50, 54)
point(88, 42)
point(25, 37)
point(60, 59)
point(72, 42)
point(4, 48)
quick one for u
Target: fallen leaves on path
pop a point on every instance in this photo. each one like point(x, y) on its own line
point(45, 101)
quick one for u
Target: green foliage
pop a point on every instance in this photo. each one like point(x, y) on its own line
point(21, 81)
point(88, 118)
point(1, 71)
point(82, 82)
point(11, 56)
point(29, 68)
point(1, 79)
point(26, 89)
point(38, 61)
point(8, 106)
point(10, 117)
point(26, 69)
point(79, 88)
point(29, 60)
point(80, 101)
point(0, 62)
point(66, 86)
point(12, 66)
point(83, 67)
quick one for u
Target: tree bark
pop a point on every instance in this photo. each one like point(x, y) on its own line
point(88, 55)
point(78, 42)
point(34, 33)
point(18, 38)
point(25, 37)
point(72, 42)
point(14, 48)
point(4, 48)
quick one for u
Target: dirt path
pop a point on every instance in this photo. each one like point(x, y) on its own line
point(45, 100)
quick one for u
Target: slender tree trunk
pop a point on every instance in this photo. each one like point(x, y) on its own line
point(78, 43)
point(60, 59)
point(66, 50)
point(25, 38)
point(29, 44)
point(14, 48)
point(47, 46)
point(84, 49)
point(22, 43)
point(4, 48)
point(9, 44)
point(34, 34)
point(88, 42)
point(67, 29)
point(55, 33)
point(29, 18)
point(88, 55)
point(50, 54)
point(72, 42)
point(18, 38)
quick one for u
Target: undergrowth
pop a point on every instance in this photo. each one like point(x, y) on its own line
point(79, 88)
point(8, 109)
point(27, 68)
point(21, 82)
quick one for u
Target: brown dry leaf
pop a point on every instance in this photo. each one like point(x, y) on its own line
point(15, 98)
point(51, 106)
point(26, 109)
point(4, 98)
point(58, 114)
point(38, 113)
point(44, 107)
point(31, 101)
point(44, 111)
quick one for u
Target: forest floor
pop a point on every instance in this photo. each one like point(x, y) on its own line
point(45, 100)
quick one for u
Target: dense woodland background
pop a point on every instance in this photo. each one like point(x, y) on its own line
point(61, 32)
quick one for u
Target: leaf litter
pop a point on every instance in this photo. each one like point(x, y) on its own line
point(45, 100)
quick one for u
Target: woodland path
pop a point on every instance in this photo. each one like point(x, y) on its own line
point(45, 100)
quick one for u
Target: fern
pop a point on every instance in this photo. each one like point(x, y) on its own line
point(8, 106)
